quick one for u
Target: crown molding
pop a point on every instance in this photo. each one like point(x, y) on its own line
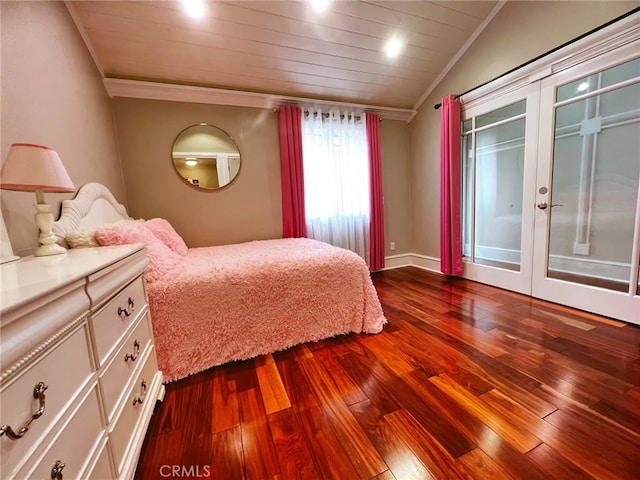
point(215, 96)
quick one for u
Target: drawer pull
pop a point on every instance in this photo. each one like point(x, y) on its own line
point(38, 393)
point(136, 352)
point(127, 311)
point(56, 470)
point(143, 390)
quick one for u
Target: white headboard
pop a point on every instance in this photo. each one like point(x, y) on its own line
point(94, 205)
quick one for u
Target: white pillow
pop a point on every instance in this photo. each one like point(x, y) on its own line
point(87, 238)
point(82, 239)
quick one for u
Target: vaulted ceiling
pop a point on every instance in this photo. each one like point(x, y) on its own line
point(285, 48)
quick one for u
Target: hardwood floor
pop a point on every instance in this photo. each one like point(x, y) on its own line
point(465, 381)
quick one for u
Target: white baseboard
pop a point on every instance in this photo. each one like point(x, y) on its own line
point(397, 261)
point(427, 263)
point(404, 260)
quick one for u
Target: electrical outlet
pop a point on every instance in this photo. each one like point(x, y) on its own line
point(392, 246)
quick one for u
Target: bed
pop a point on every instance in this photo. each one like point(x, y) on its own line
point(213, 305)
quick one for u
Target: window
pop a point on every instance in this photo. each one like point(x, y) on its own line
point(336, 179)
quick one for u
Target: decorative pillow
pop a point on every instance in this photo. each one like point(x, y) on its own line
point(161, 258)
point(87, 237)
point(162, 229)
point(82, 239)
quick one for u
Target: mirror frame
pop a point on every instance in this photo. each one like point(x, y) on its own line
point(221, 133)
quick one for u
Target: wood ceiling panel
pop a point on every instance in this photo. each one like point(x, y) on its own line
point(283, 47)
point(444, 13)
point(232, 63)
point(267, 28)
point(366, 94)
point(414, 16)
point(269, 45)
point(329, 31)
point(473, 8)
point(182, 69)
point(346, 15)
point(214, 73)
point(169, 50)
point(333, 32)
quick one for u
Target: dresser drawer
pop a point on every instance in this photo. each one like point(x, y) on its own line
point(74, 445)
point(117, 374)
point(64, 370)
point(101, 469)
point(126, 424)
point(114, 319)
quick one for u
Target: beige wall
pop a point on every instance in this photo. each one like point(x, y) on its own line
point(247, 209)
point(520, 31)
point(52, 94)
point(250, 208)
point(396, 183)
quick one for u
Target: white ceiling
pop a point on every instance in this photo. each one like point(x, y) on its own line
point(284, 48)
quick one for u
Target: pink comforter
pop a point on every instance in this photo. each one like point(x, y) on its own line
point(235, 302)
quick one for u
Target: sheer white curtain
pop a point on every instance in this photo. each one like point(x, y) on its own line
point(336, 179)
point(222, 165)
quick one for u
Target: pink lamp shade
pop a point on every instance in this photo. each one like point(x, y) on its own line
point(35, 168)
point(30, 167)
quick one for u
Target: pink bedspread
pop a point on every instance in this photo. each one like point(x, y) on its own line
point(235, 302)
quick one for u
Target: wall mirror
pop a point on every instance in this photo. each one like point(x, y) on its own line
point(206, 157)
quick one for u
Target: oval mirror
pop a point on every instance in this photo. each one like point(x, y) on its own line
point(206, 157)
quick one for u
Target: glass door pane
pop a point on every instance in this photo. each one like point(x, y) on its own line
point(595, 175)
point(493, 149)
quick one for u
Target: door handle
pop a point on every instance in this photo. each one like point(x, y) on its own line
point(544, 205)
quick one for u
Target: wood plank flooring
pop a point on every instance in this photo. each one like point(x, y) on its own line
point(465, 381)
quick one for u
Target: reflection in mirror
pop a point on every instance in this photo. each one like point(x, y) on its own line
point(206, 156)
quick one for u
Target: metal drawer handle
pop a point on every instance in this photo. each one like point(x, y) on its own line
point(143, 390)
point(38, 393)
point(127, 311)
point(56, 470)
point(136, 352)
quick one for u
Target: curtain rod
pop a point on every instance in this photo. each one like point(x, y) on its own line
point(580, 37)
point(326, 115)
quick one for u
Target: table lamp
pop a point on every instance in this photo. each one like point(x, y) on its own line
point(36, 168)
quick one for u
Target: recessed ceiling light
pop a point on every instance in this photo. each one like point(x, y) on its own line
point(320, 6)
point(393, 47)
point(194, 8)
point(584, 86)
point(191, 162)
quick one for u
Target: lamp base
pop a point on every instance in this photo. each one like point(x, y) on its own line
point(44, 220)
point(51, 249)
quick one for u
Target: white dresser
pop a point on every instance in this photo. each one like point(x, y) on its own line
point(79, 379)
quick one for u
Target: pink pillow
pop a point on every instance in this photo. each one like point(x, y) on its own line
point(162, 229)
point(161, 258)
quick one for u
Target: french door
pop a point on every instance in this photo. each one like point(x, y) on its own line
point(551, 175)
point(499, 143)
